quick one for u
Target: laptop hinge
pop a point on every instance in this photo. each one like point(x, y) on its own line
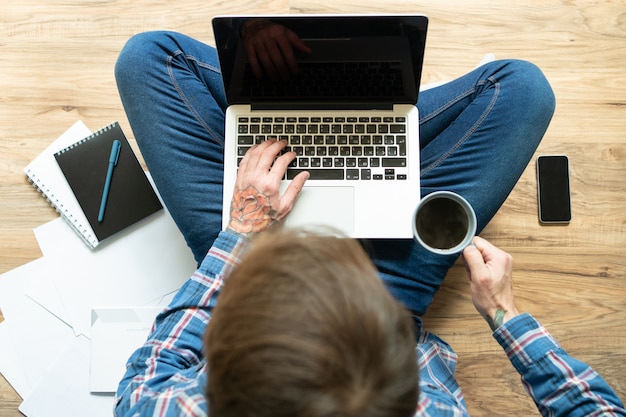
point(365, 105)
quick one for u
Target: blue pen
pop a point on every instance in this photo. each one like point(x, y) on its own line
point(115, 154)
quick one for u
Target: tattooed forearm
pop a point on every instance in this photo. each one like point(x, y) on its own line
point(497, 320)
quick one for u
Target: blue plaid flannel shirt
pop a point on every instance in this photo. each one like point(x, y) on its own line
point(167, 375)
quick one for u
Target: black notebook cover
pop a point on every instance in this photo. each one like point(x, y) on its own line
point(131, 196)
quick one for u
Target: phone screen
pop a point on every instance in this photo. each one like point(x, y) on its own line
point(554, 190)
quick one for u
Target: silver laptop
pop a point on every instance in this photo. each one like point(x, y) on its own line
point(342, 92)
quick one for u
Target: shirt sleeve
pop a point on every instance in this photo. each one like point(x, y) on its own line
point(166, 376)
point(559, 384)
point(440, 394)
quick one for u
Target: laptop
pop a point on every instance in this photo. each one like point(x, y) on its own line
point(345, 102)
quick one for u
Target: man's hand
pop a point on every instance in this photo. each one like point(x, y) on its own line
point(491, 282)
point(257, 203)
point(271, 49)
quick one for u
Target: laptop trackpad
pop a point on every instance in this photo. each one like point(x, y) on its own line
point(324, 206)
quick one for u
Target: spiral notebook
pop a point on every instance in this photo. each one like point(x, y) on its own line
point(71, 173)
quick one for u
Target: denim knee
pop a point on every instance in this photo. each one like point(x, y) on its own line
point(136, 57)
point(532, 90)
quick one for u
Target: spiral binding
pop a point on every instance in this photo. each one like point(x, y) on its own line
point(93, 135)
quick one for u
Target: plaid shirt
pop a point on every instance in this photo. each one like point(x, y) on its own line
point(167, 375)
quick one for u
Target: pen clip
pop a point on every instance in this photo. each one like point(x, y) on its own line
point(115, 152)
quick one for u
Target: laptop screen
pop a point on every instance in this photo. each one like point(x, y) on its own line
point(321, 59)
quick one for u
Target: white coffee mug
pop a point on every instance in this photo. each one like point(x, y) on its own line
point(444, 223)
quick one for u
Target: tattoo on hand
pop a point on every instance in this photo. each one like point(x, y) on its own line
point(251, 211)
point(498, 319)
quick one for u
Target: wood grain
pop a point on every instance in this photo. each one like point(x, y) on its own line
point(57, 63)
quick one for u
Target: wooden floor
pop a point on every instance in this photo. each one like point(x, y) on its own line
point(57, 58)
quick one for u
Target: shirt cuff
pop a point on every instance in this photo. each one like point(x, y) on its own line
point(525, 341)
point(225, 253)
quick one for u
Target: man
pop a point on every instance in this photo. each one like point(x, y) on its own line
point(348, 350)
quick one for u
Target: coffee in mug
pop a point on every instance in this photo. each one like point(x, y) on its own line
point(444, 223)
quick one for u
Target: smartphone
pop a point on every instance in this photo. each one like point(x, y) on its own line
point(553, 189)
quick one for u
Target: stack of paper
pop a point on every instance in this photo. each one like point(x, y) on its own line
point(73, 317)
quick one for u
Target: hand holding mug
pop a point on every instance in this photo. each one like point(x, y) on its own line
point(490, 272)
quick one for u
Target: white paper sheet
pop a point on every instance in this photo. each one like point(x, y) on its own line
point(64, 392)
point(134, 267)
point(10, 367)
point(115, 334)
point(41, 288)
point(31, 337)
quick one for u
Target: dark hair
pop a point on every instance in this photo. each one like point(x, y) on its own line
point(305, 327)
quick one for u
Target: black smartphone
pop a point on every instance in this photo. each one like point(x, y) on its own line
point(554, 189)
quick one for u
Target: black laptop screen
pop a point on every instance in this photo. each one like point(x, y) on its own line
point(321, 59)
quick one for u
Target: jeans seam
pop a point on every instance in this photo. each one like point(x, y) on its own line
point(170, 71)
point(471, 130)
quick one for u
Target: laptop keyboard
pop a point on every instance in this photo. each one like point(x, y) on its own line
point(333, 148)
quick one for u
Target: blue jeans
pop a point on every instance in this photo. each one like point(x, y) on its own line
point(478, 134)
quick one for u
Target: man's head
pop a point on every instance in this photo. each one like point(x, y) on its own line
point(305, 327)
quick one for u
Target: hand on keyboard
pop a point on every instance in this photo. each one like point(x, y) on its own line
point(257, 203)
